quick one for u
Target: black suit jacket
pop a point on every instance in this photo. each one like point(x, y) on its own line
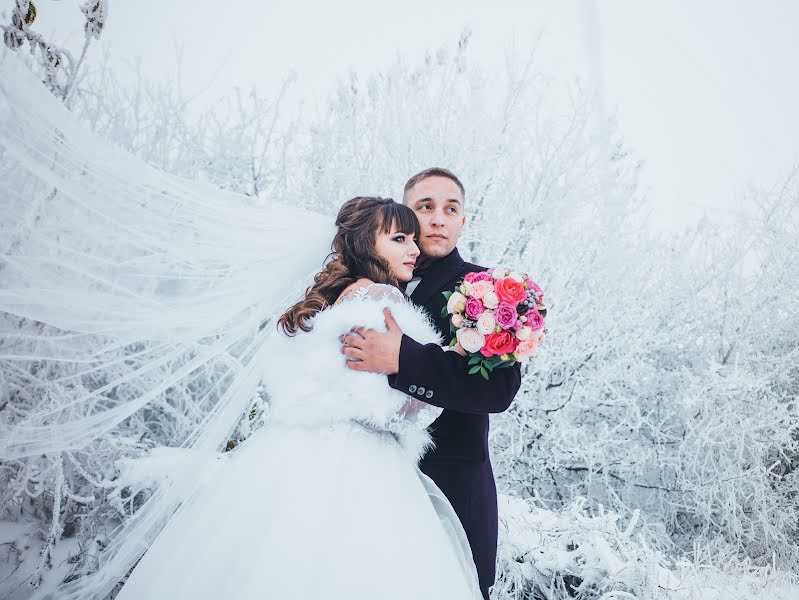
point(459, 463)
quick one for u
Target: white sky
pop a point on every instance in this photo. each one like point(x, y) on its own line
point(706, 93)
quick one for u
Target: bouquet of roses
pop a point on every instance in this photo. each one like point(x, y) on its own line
point(497, 317)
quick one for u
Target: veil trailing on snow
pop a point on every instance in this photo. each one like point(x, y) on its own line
point(131, 281)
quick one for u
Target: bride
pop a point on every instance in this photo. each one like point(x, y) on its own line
point(325, 501)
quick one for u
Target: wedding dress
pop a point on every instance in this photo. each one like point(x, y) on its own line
point(325, 501)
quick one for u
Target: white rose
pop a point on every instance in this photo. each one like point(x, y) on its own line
point(457, 320)
point(456, 303)
point(517, 276)
point(500, 272)
point(470, 339)
point(466, 288)
point(486, 323)
point(490, 300)
point(524, 334)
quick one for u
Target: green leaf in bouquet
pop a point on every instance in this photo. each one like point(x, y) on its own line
point(484, 373)
point(444, 311)
point(475, 359)
point(447, 294)
point(453, 341)
point(474, 369)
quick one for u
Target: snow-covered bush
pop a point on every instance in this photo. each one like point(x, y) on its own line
point(548, 555)
point(672, 389)
point(60, 70)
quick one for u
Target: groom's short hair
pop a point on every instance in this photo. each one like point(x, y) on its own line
point(432, 172)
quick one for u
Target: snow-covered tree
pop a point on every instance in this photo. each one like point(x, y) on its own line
point(664, 398)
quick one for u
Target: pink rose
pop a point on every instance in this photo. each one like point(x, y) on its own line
point(500, 343)
point(510, 290)
point(505, 315)
point(481, 288)
point(534, 320)
point(477, 276)
point(474, 308)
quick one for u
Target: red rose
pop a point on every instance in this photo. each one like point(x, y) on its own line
point(510, 290)
point(503, 342)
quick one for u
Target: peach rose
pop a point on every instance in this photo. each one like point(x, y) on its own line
point(526, 349)
point(481, 288)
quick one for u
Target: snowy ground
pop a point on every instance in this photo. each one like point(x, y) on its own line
point(542, 554)
point(20, 556)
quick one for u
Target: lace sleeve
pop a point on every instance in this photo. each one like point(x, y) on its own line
point(373, 291)
point(415, 414)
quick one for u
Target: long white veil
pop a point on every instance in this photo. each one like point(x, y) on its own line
point(134, 281)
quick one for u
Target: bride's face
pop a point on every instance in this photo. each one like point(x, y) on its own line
point(400, 251)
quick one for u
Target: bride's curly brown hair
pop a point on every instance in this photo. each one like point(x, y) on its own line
point(354, 256)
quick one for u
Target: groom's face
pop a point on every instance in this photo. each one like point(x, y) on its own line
point(438, 204)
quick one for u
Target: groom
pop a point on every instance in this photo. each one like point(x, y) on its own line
point(459, 464)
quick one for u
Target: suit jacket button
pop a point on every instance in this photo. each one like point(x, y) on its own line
point(420, 391)
point(429, 394)
point(412, 389)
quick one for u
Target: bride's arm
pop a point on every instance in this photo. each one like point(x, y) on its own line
point(414, 413)
point(417, 413)
point(360, 355)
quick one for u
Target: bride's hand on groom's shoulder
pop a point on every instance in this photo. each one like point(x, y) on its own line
point(374, 351)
